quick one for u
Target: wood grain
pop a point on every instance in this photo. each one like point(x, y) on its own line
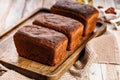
point(48, 3)
point(4, 7)
point(95, 72)
point(14, 10)
point(13, 14)
point(31, 5)
point(117, 68)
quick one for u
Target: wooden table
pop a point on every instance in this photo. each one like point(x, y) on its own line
point(11, 11)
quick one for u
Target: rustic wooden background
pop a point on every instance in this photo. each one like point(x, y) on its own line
point(11, 11)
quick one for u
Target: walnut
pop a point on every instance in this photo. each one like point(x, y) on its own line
point(99, 7)
point(110, 10)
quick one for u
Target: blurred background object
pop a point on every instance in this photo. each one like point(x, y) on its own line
point(89, 2)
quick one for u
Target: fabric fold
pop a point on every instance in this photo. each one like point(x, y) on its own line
point(107, 48)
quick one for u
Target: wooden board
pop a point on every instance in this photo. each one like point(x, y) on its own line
point(34, 69)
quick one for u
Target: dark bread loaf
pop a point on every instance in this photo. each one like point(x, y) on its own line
point(71, 28)
point(84, 13)
point(41, 44)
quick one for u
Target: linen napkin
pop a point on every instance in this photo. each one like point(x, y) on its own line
point(81, 67)
point(107, 47)
point(6, 74)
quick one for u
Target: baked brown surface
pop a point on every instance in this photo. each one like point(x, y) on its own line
point(84, 13)
point(73, 29)
point(41, 44)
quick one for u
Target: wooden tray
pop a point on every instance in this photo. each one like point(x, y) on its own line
point(33, 69)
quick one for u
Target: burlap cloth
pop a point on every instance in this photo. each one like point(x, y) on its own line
point(103, 49)
point(107, 48)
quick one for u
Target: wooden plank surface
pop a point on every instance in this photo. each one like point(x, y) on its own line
point(31, 5)
point(95, 72)
point(4, 7)
point(13, 10)
point(48, 3)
